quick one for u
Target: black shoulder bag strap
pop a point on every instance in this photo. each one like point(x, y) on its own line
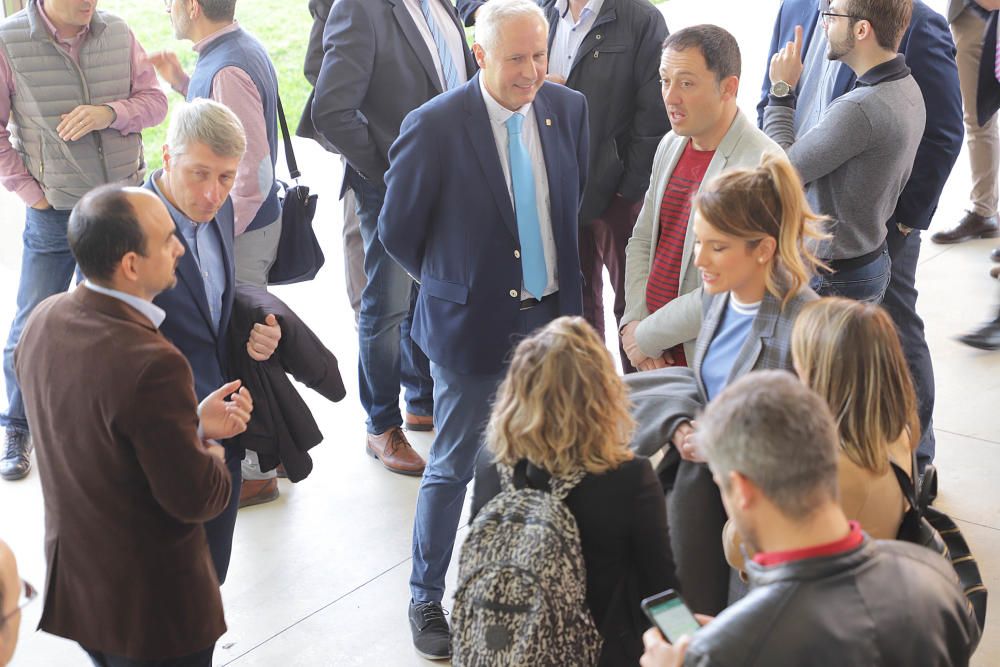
point(293, 166)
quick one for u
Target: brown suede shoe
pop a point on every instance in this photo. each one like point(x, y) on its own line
point(258, 491)
point(394, 451)
point(418, 422)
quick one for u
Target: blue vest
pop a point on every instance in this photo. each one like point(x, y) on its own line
point(241, 49)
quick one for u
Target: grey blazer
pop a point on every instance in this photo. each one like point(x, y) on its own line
point(678, 322)
point(662, 399)
point(376, 69)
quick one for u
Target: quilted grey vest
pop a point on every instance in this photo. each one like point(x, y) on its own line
point(47, 84)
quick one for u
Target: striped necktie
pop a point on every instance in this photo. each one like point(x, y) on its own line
point(447, 63)
point(529, 231)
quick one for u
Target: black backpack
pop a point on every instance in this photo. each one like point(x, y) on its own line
point(521, 597)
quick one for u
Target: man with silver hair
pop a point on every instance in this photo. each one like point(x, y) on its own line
point(205, 143)
point(822, 591)
point(482, 203)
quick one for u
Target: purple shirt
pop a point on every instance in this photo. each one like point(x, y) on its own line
point(232, 87)
point(146, 106)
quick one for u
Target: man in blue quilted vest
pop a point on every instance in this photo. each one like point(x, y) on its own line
point(92, 92)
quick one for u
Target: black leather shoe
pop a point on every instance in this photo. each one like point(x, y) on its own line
point(995, 255)
point(16, 460)
point(971, 226)
point(431, 634)
point(986, 337)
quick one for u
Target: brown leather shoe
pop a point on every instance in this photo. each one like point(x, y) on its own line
point(418, 422)
point(258, 491)
point(971, 226)
point(995, 272)
point(394, 451)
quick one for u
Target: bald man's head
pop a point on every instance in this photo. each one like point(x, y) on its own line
point(123, 237)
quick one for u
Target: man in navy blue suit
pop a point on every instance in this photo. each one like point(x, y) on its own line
point(484, 190)
point(930, 55)
point(205, 143)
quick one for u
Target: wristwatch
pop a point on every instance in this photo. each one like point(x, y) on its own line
point(780, 89)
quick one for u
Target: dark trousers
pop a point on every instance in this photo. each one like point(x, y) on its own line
point(602, 244)
point(696, 516)
point(202, 658)
point(900, 302)
point(219, 530)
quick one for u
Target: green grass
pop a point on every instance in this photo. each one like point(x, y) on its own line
point(281, 25)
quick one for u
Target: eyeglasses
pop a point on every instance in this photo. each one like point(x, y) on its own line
point(826, 16)
point(27, 594)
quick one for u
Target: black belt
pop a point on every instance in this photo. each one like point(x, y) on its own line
point(855, 262)
point(530, 302)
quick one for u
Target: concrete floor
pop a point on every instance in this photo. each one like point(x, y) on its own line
point(319, 577)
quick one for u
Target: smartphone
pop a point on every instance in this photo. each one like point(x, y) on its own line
point(668, 612)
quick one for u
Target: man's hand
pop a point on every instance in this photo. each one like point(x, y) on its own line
point(264, 338)
point(786, 64)
point(84, 119)
point(221, 419)
point(168, 66)
point(635, 356)
point(42, 204)
point(661, 654)
point(655, 363)
point(683, 440)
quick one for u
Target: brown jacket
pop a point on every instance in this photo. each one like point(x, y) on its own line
point(126, 480)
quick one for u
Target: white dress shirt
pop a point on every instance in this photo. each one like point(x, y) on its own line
point(151, 311)
point(570, 35)
point(453, 37)
point(533, 144)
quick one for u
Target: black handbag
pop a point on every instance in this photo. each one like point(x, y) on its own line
point(299, 257)
point(932, 528)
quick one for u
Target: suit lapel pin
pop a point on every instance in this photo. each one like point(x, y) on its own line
point(548, 122)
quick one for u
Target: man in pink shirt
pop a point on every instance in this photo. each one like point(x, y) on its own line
point(234, 70)
point(76, 90)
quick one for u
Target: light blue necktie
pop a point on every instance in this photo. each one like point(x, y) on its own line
point(529, 231)
point(447, 64)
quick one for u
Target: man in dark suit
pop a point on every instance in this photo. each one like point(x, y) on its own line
point(383, 59)
point(128, 468)
point(930, 55)
point(205, 144)
point(482, 207)
point(609, 50)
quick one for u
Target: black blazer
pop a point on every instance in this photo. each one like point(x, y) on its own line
point(623, 532)
point(376, 69)
point(282, 429)
point(617, 70)
point(988, 88)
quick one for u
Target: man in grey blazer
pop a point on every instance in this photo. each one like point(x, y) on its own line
point(383, 59)
point(700, 70)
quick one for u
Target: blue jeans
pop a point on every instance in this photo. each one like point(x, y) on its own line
point(901, 303)
point(862, 283)
point(461, 410)
point(387, 355)
point(47, 267)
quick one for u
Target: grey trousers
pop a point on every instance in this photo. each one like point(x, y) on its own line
point(354, 254)
point(983, 142)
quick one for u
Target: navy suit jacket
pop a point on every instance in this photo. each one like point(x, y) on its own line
point(449, 221)
point(930, 55)
point(189, 323)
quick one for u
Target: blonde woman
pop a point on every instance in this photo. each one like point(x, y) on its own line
point(871, 395)
point(562, 408)
point(754, 229)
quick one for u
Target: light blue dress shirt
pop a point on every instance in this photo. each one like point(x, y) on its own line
point(151, 311)
point(570, 35)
